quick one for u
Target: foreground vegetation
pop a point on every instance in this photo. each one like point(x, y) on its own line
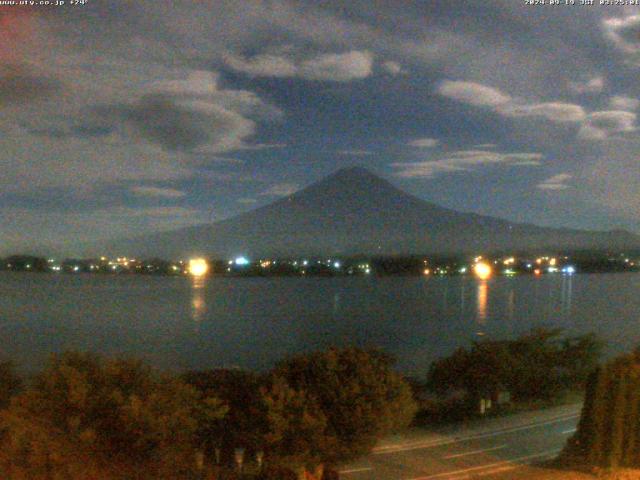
point(608, 433)
point(85, 417)
point(540, 368)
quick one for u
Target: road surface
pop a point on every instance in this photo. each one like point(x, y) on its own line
point(483, 449)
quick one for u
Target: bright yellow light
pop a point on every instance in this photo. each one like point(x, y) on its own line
point(482, 270)
point(198, 267)
point(552, 262)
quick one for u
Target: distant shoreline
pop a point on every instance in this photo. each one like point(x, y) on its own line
point(482, 267)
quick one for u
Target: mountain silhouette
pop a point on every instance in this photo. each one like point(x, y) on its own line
point(354, 211)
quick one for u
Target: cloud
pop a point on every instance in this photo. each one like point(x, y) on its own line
point(158, 192)
point(486, 145)
point(70, 230)
point(20, 85)
point(178, 126)
point(621, 102)
point(393, 68)
point(77, 163)
point(602, 125)
point(247, 201)
point(183, 112)
point(281, 190)
point(473, 93)
point(612, 177)
point(624, 33)
point(212, 157)
point(423, 143)
point(556, 182)
point(464, 160)
point(355, 153)
point(593, 85)
point(337, 67)
point(200, 88)
point(553, 111)
point(262, 146)
point(483, 96)
point(191, 114)
point(263, 65)
point(148, 211)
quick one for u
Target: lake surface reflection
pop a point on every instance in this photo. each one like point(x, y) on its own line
point(179, 323)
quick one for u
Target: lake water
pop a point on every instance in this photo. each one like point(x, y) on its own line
point(181, 323)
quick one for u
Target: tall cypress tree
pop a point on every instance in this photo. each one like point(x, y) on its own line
point(617, 438)
point(609, 429)
point(631, 421)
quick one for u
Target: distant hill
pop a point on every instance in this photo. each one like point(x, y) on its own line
point(354, 211)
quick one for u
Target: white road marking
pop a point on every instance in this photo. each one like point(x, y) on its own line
point(493, 471)
point(436, 443)
point(504, 463)
point(474, 452)
point(569, 431)
point(355, 470)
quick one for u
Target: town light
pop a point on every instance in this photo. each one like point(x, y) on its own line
point(482, 270)
point(198, 267)
point(241, 261)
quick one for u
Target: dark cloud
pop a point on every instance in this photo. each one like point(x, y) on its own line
point(18, 86)
point(161, 120)
point(63, 131)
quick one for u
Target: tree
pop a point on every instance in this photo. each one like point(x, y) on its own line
point(244, 424)
point(10, 383)
point(608, 433)
point(296, 426)
point(538, 365)
point(89, 418)
point(357, 391)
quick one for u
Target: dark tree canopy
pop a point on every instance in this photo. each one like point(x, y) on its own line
point(539, 365)
point(10, 383)
point(608, 433)
point(86, 417)
point(360, 395)
point(89, 418)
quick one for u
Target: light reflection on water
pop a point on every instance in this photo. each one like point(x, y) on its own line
point(198, 299)
point(482, 299)
point(567, 293)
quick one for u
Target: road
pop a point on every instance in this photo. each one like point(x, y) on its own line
point(482, 449)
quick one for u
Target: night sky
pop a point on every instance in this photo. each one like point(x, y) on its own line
point(125, 117)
